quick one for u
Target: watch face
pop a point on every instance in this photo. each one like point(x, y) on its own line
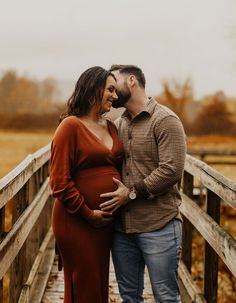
point(132, 195)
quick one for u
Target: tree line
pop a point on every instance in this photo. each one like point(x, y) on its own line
point(213, 114)
point(29, 104)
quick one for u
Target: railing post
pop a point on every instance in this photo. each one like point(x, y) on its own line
point(187, 226)
point(201, 194)
point(2, 222)
point(32, 243)
point(211, 257)
point(2, 231)
point(18, 270)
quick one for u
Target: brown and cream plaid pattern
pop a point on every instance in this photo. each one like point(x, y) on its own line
point(155, 148)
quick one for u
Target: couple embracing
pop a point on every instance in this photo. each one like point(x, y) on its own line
point(116, 188)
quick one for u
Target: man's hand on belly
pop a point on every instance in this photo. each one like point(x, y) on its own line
point(118, 197)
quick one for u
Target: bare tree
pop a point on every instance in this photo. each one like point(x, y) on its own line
point(214, 118)
point(176, 96)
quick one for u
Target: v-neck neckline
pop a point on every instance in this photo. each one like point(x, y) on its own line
point(96, 137)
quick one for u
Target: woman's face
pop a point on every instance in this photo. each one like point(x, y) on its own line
point(109, 94)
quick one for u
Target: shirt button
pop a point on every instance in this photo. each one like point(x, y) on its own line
point(129, 137)
point(128, 156)
point(127, 174)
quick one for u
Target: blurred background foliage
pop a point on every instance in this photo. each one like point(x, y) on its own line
point(26, 103)
point(212, 115)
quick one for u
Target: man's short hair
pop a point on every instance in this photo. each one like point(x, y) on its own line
point(130, 70)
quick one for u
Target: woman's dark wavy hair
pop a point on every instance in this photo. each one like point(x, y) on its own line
point(88, 92)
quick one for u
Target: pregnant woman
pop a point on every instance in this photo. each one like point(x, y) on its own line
point(86, 155)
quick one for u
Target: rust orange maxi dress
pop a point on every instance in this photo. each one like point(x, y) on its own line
point(82, 168)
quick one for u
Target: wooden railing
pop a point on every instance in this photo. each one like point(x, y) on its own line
point(218, 243)
point(27, 249)
point(29, 240)
point(215, 156)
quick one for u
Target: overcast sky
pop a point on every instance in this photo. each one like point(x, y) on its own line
point(166, 38)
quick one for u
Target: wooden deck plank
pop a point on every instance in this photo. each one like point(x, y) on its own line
point(54, 292)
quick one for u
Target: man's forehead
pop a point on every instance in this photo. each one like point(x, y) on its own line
point(116, 72)
point(119, 75)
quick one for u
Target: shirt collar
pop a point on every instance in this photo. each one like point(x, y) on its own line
point(148, 108)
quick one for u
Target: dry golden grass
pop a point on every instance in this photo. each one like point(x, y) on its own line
point(15, 146)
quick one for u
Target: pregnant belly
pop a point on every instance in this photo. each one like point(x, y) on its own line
point(93, 183)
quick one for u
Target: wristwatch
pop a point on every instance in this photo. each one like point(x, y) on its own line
point(132, 193)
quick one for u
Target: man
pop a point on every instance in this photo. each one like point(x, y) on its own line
point(148, 226)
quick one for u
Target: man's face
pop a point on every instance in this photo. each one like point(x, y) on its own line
point(123, 91)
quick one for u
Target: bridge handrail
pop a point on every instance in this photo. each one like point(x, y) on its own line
point(15, 179)
point(212, 179)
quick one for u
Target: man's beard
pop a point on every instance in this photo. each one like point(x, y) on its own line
point(123, 97)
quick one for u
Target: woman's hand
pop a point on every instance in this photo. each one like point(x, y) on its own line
point(118, 197)
point(99, 218)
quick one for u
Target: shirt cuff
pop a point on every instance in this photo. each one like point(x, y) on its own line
point(141, 189)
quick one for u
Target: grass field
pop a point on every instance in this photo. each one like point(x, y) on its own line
point(15, 146)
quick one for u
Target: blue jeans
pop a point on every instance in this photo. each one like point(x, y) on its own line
point(159, 251)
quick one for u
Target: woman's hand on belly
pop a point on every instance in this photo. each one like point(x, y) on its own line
point(99, 218)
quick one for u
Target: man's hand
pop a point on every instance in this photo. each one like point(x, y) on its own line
point(118, 197)
point(99, 218)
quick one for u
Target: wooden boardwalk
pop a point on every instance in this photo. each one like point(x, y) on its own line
point(55, 287)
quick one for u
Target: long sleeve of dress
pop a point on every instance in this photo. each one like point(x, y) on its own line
point(63, 153)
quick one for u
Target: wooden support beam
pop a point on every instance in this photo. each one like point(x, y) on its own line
point(211, 257)
point(187, 226)
point(2, 231)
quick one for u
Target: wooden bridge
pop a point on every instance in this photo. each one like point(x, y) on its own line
point(27, 260)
